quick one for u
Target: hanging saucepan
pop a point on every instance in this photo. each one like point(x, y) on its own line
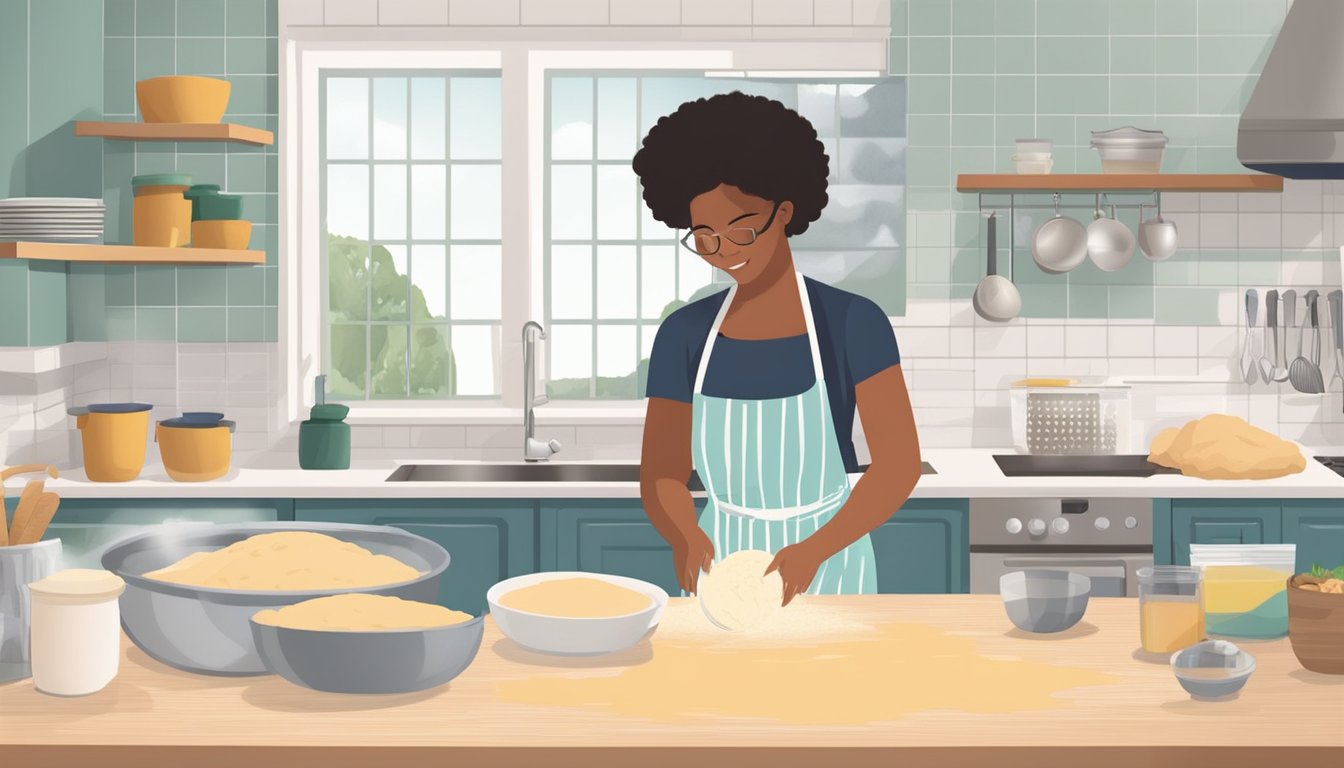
point(1060, 243)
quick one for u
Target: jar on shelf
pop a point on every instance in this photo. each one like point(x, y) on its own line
point(161, 212)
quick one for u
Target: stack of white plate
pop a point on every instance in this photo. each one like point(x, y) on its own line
point(52, 219)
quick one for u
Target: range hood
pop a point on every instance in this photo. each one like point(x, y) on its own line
point(1293, 125)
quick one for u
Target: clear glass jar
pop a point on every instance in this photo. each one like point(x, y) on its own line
point(1171, 607)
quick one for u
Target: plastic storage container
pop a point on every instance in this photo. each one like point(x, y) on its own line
point(1171, 608)
point(1245, 587)
point(209, 204)
point(1070, 419)
point(1129, 150)
point(76, 631)
point(161, 213)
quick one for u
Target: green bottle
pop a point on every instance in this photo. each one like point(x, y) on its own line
point(324, 439)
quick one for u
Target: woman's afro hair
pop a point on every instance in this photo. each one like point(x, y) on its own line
point(753, 143)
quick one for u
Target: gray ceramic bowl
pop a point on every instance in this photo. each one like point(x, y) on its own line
point(1212, 669)
point(208, 631)
point(1044, 600)
point(388, 661)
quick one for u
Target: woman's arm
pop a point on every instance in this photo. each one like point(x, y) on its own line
point(665, 466)
point(893, 445)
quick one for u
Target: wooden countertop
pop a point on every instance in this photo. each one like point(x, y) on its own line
point(153, 715)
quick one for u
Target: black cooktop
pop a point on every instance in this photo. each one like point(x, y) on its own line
point(1335, 463)
point(1117, 465)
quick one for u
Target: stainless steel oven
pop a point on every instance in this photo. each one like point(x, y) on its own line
point(1107, 540)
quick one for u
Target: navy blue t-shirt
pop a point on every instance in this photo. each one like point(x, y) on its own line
point(854, 335)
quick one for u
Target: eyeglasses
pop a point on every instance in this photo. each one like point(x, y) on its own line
point(708, 243)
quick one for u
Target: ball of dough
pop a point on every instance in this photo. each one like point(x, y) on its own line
point(737, 594)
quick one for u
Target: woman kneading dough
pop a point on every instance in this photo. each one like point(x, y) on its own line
point(756, 386)
point(286, 561)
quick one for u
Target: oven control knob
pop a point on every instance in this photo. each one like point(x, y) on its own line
point(1131, 522)
point(1036, 526)
point(1013, 525)
point(1059, 525)
point(1102, 523)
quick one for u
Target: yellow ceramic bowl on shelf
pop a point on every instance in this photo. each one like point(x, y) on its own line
point(231, 234)
point(182, 99)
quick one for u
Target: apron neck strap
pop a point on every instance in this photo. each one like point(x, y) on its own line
point(813, 345)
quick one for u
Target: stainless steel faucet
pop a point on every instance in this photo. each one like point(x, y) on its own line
point(533, 449)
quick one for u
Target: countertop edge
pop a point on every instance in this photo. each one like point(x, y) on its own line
point(340, 756)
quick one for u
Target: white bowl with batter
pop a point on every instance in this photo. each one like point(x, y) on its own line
point(575, 635)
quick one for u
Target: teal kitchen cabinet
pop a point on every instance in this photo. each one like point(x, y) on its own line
point(1316, 526)
point(87, 526)
point(488, 540)
point(606, 536)
point(921, 549)
point(1213, 521)
point(924, 549)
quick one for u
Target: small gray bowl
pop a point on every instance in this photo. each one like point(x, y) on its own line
point(1044, 601)
point(379, 661)
point(1213, 669)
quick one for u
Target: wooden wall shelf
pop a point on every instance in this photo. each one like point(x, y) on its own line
point(244, 134)
point(1116, 182)
point(128, 254)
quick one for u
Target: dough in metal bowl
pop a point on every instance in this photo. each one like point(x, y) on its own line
point(737, 594)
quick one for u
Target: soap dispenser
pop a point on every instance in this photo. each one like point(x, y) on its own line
point(324, 439)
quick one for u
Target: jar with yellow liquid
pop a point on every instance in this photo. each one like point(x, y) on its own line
point(1171, 608)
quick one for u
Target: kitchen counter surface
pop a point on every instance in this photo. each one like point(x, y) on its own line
point(960, 474)
point(152, 715)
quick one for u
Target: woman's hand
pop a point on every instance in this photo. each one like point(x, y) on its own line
point(692, 554)
point(797, 565)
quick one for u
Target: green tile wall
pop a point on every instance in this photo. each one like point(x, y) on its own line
point(50, 59)
point(64, 60)
point(983, 73)
point(236, 40)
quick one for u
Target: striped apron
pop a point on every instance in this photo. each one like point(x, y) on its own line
point(772, 469)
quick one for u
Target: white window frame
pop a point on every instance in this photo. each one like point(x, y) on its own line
point(523, 67)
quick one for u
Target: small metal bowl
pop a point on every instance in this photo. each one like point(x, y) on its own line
point(1044, 601)
point(379, 661)
point(1213, 669)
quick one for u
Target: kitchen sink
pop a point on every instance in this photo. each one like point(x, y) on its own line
point(539, 472)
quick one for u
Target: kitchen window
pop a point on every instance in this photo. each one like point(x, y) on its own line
point(612, 272)
point(411, 167)
point(429, 227)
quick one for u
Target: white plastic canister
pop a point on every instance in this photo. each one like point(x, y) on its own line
point(76, 631)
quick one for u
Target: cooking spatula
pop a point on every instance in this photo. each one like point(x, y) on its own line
point(1300, 370)
point(1248, 370)
point(1266, 363)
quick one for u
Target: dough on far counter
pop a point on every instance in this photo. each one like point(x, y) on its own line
point(1223, 447)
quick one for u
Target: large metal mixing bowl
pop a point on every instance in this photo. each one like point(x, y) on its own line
point(208, 630)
